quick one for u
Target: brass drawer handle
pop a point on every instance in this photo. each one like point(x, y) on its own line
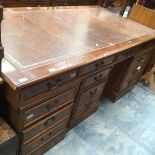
point(55, 84)
point(48, 122)
point(97, 65)
point(93, 92)
point(56, 102)
point(48, 107)
point(102, 62)
point(125, 54)
point(130, 82)
point(88, 104)
point(42, 139)
point(50, 134)
point(50, 85)
point(97, 78)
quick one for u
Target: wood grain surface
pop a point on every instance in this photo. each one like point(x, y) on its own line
point(42, 42)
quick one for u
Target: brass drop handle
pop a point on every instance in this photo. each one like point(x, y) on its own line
point(50, 134)
point(88, 104)
point(129, 82)
point(93, 92)
point(97, 65)
point(42, 139)
point(51, 85)
point(48, 107)
point(99, 77)
point(56, 101)
point(48, 122)
point(102, 62)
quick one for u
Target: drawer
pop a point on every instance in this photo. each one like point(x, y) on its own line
point(136, 72)
point(63, 2)
point(96, 65)
point(46, 123)
point(141, 60)
point(51, 143)
point(87, 105)
point(49, 84)
point(122, 55)
point(92, 92)
point(128, 83)
point(49, 106)
point(97, 77)
point(142, 48)
point(42, 139)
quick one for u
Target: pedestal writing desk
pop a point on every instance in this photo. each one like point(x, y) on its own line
point(59, 61)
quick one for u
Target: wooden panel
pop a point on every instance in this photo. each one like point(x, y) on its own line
point(97, 77)
point(141, 60)
point(96, 66)
point(74, 58)
point(49, 84)
point(49, 106)
point(101, 39)
point(85, 106)
point(91, 92)
point(42, 139)
point(42, 149)
point(46, 123)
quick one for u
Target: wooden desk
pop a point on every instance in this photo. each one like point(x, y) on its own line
point(28, 3)
point(58, 62)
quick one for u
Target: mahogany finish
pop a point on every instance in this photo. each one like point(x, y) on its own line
point(55, 68)
point(23, 3)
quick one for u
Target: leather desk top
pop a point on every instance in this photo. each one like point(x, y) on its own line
point(42, 42)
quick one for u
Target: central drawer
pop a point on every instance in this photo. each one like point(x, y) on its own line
point(96, 65)
point(97, 77)
point(49, 106)
point(46, 123)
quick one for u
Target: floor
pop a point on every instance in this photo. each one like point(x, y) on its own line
point(124, 128)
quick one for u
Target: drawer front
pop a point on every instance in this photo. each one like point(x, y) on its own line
point(92, 92)
point(87, 105)
point(96, 77)
point(142, 48)
point(97, 65)
point(51, 143)
point(49, 106)
point(47, 85)
point(63, 2)
point(141, 60)
point(46, 123)
point(41, 140)
point(128, 83)
point(73, 2)
point(122, 55)
point(136, 72)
